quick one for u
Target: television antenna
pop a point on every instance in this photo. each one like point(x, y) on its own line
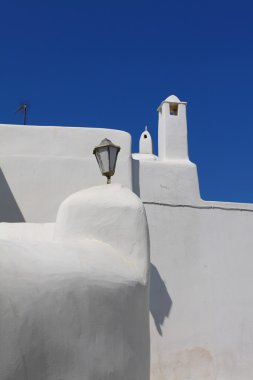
point(23, 108)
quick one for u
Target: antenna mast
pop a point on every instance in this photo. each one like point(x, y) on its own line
point(23, 107)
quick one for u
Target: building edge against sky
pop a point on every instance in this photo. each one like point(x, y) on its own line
point(201, 298)
point(176, 174)
point(201, 302)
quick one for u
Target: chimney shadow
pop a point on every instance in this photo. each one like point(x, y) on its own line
point(160, 302)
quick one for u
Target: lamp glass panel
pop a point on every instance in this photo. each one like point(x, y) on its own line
point(113, 157)
point(103, 159)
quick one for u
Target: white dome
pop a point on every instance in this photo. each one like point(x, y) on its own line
point(172, 99)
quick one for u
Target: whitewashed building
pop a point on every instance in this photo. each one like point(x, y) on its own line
point(201, 283)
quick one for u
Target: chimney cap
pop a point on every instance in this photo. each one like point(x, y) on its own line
point(171, 99)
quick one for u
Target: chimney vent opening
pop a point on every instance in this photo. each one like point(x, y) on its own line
point(173, 109)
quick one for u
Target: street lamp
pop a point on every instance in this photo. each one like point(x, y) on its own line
point(106, 154)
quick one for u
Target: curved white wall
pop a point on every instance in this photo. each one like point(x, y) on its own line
point(74, 304)
point(41, 166)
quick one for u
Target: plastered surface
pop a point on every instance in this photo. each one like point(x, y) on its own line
point(201, 258)
point(41, 166)
point(201, 289)
point(74, 305)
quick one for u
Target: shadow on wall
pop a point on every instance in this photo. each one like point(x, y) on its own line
point(160, 302)
point(136, 176)
point(9, 210)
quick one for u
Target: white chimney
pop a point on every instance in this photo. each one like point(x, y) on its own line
point(172, 130)
point(145, 143)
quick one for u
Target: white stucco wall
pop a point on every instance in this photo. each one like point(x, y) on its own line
point(201, 292)
point(41, 166)
point(74, 304)
point(201, 298)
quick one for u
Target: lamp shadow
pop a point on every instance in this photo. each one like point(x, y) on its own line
point(9, 209)
point(160, 302)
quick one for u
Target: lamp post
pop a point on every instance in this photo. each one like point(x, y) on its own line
point(106, 154)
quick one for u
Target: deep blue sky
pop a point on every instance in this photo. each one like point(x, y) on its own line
point(110, 63)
